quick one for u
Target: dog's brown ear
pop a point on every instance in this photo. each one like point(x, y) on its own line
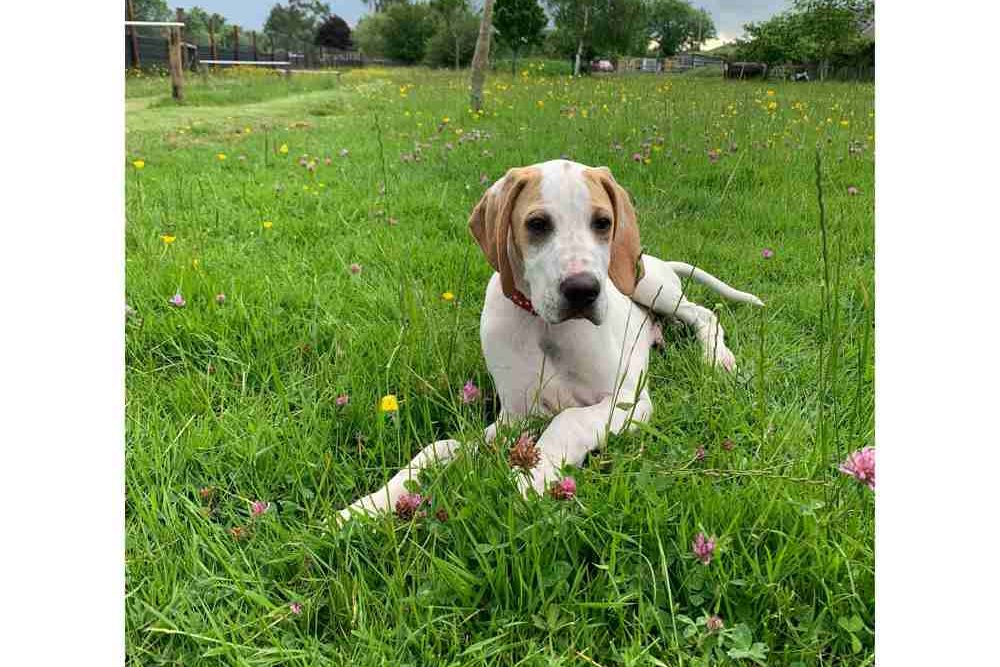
point(490, 224)
point(625, 268)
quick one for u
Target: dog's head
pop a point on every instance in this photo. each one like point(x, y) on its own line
point(557, 231)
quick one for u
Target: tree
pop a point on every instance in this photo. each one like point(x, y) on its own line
point(334, 33)
point(812, 31)
point(369, 34)
point(407, 29)
point(519, 23)
point(450, 14)
point(379, 6)
point(481, 56)
point(832, 26)
point(620, 27)
point(196, 25)
point(575, 24)
point(780, 39)
point(676, 25)
point(453, 46)
point(295, 24)
point(151, 10)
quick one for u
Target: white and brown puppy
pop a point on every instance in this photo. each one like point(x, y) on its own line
point(566, 329)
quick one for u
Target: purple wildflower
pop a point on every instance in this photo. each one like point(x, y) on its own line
point(408, 504)
point(470, 392)
point(703, 548)
point(861, 466)
point(564, 489)
point(258, 507)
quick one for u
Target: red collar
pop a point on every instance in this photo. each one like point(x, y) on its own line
point(522, 302)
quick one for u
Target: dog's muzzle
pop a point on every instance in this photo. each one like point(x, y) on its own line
point(579, 292)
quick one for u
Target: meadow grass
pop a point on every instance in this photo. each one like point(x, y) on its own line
point(236, 402)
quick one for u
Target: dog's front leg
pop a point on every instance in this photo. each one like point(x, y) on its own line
point(575, 432)
point(385, 498)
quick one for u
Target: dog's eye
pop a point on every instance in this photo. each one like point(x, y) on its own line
point(602, 224)
point(537, 225)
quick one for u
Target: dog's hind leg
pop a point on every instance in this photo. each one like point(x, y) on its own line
point(662, 291)
point(385, 498)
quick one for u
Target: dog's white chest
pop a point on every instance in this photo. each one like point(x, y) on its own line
point(540, 368)
point(579, 358)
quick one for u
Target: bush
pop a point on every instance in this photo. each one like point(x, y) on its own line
point(539, 66)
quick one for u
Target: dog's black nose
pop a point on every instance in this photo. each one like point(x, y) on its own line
point(580, 289)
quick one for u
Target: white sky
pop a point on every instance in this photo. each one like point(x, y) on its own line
point(729, 15)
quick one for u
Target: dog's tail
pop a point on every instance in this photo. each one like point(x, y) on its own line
point(686, 271)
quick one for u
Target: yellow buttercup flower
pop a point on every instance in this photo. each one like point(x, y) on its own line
point(389, 403)
point(448, 296)
point(221, 156)
point(138, 164)
point(167, 238)
point(267, 224)
point(446, 120)
point(283, 149)
point(246, 130)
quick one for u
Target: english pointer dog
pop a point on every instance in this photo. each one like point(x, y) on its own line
point(566, 326)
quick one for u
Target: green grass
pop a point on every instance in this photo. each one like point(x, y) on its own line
point(239, 398)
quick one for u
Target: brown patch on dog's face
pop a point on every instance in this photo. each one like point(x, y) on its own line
point(492, 218)
point(601, 206)
point(626, 250)
point(527, 209)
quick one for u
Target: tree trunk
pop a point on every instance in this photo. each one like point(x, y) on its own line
point(579, 44)
point(458, 50)
point(482, 55)
point(513, 62)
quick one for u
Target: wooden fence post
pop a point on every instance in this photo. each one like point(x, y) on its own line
point(253, 44)
point(184, 54)
point(211, 40)
point(176, 70)
point(236, 42)
point(130, 15)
